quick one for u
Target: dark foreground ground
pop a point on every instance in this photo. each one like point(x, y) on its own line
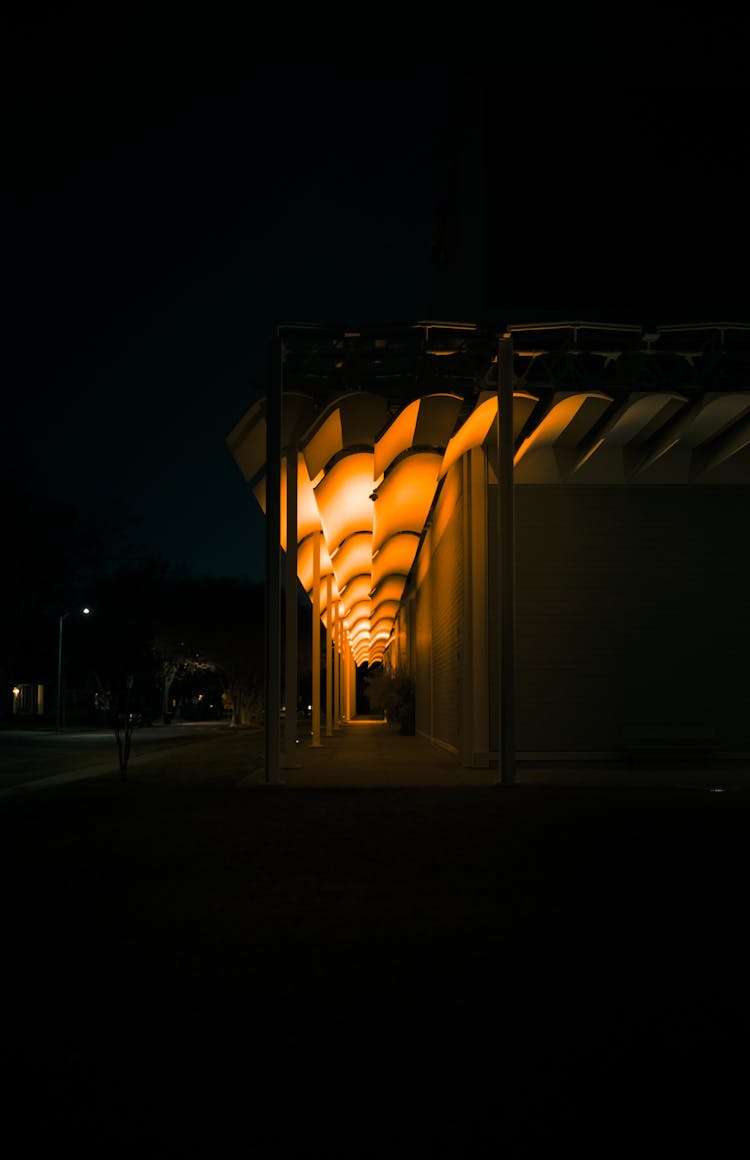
point(192, 966)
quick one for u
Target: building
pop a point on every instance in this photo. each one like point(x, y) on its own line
point(605, 609)
point(618, 577)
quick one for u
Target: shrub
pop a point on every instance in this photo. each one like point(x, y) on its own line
point(394, 696)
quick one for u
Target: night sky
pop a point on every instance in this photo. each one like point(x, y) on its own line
point(178, 187)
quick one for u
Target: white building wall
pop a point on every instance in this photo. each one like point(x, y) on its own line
point(632, 609)
point(631, 604)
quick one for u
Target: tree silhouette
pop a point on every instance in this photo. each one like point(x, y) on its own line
point(214, 625)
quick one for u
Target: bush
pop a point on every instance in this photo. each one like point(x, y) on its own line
point(394, 696)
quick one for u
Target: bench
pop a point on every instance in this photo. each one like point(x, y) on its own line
point(668, 741)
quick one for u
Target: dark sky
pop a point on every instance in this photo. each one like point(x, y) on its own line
point(179, 186)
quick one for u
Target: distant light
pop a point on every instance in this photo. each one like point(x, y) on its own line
point(85, 611)
point(16, 691)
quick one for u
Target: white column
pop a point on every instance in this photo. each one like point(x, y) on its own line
point(336, 670)
point(329, 656)
point(347, 682)
point(352, 682)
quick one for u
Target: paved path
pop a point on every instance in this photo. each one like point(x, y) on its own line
point(370, 754)
point(363, 754)
point(366, 754)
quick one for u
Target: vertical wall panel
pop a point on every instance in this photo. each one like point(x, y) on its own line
point(632, 609)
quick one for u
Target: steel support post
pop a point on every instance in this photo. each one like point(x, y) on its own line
point(506, 564)
point(59, 672)
point(273, 566)
point(290, 586)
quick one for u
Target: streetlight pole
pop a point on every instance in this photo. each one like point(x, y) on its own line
point(59, 669)
point(62, 618)
point(272, 700)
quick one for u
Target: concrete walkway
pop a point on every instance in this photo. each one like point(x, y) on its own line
point(371, 754)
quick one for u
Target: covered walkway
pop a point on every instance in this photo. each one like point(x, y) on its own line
point(367, 753)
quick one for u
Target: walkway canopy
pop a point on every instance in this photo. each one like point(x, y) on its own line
point(373, 420)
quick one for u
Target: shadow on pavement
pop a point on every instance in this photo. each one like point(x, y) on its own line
point(440, 969)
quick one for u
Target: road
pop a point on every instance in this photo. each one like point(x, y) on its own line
point(28, 756)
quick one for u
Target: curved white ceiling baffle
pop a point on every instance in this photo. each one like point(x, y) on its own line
point(398, 435)
point(343, 498)
point(308, 516)
point(359, 638)
point(549, 454)
point(359, 632)
point(386, 599)
point(614, 453)
point(378, 646)
point(383, 619)
point(671, 458)
point(407, 462)
point(308, 522)
point(356, 592)
point(426, 422)
point(354, 557)
point(357, 619)
point(305, 566)
point(339, 454)
point(476, 428)
point(247, 441)
point(404, 498)
point(391, 587)
point(390, 568)
point(722, 458)
point(385, 614)
point(395, 557)
point(305, 539)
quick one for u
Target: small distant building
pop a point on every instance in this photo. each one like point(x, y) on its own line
point(28, 700)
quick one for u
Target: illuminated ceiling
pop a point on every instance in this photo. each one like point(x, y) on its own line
point(369, 466)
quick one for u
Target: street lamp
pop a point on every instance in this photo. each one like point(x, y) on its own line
point(85, 612)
